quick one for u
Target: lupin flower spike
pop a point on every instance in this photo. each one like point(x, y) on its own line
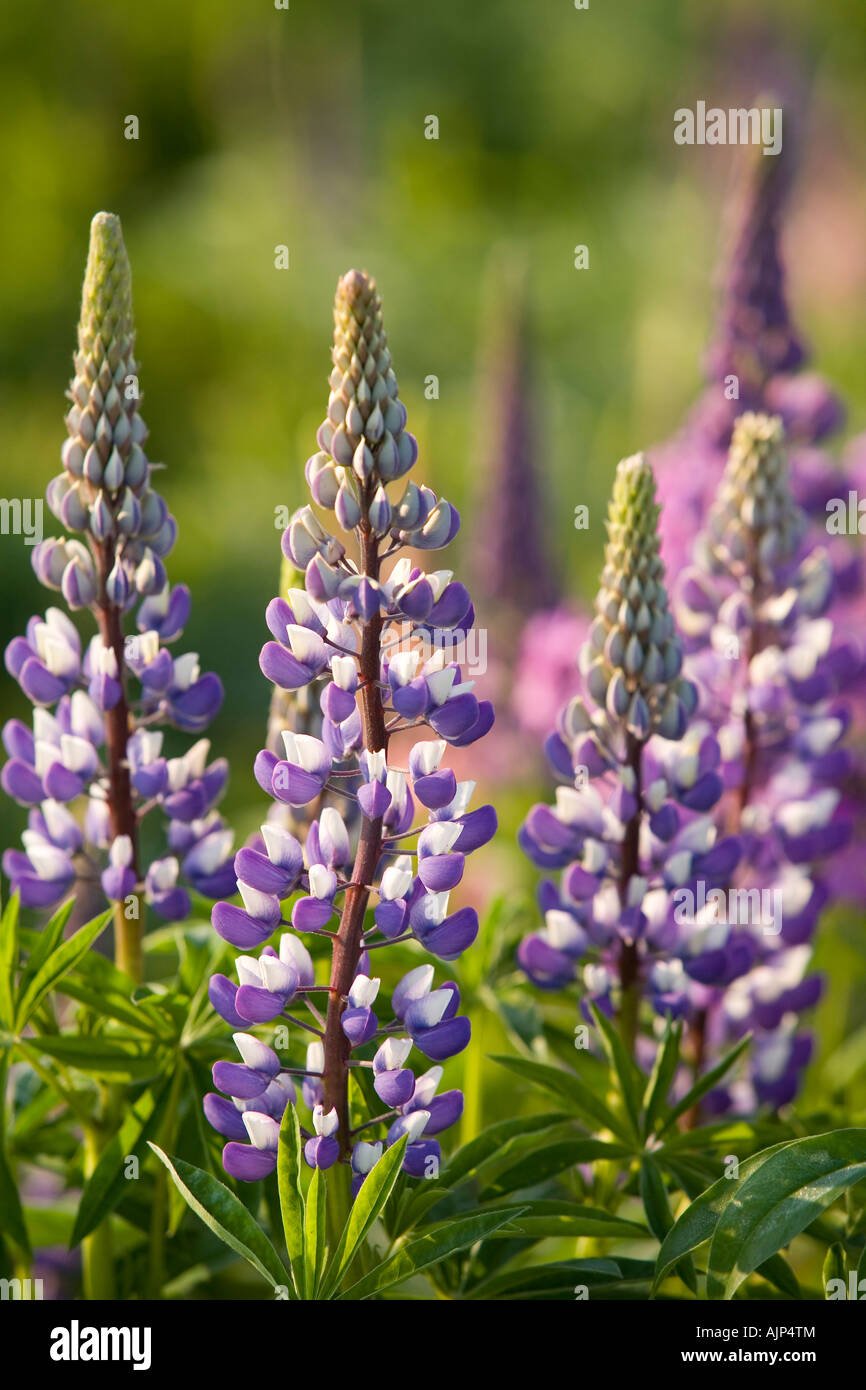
point(100, 742)
point(511, 564)
point(376, 636)
point(627, 827)
point(632, 658)
point(754, 607)
point(755, 363)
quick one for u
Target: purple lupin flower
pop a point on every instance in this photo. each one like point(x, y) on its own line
point(376, 634)
point(628, 826)
point(92, 742)
point(774, 675)
point(755, 363)
point(299, 711)
point(511, 563)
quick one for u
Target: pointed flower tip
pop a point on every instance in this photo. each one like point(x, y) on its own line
point(107, 225)
point(106, 298)
point(356, 284)
point(756, 430)
point(635, 474)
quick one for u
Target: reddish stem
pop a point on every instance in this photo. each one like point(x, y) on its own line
point(348, 942)
point(121, 806)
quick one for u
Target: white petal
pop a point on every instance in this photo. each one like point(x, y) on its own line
point(325, 1123)
point(255, 1054)
point(262, 1129)
point(363, 991)
point(258, 904)
point(394, 1052)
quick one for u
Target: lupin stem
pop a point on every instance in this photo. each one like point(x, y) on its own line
point(127, 928)
point(97, 1254)
point(628, 957)
point(347, 946)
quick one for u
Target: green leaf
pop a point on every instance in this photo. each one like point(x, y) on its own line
point(834, 1266)
point(291, 1197)
point(8, 959)
point(560, 1219)
point(779, 1200)
point(109, 1005)
point(630, 1079)
point(706, 1083)
point(45, 943)
point(657, 1207)
point(377, 1188)
point(568, 1086)
point(662, 1075)
point(485, 1154)
point(118, 1058)
point(549, 1162)
point(466, 1160)
point(429, 1249)
point(228, 1218)
point(719, 1134)
point(96, 974)
point(778, 1272)
point(699, 1220)
point(58, 963)
point(315, 1231)
point(107, 1183)
point(559, 1280)
point(654, 1196)
point(10, 1205)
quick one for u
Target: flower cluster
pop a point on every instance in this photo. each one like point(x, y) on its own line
point(89, 737)
point(755, 363)
point(694, 870)
point(376, 643)
point(631, 823)
point(773, 675)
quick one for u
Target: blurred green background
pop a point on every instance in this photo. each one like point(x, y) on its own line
point(305, 127)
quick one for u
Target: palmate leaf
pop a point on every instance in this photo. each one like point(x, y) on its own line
point(553, 1219)
point(42, 944)
point(473, 1164)
point(704, 1084)
point(435, 1245)
point(549, 1162)
point(98, 975)
point(662, 1075)
point(630, 1078)
point(780, 1199)
point(228, 1218)
point(113, 1056)
point(572, 1089)
point(367, 1206)
point(471, 1157)
point(56, 964)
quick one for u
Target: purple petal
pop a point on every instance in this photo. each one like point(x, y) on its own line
point(237, 927)
point(248, 1164)
point(224, 1117)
